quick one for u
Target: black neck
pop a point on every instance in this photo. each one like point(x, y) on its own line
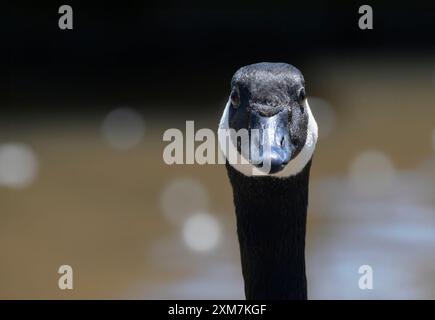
point(271, 220)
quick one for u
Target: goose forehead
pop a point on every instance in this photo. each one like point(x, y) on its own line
point(263, 75)
point(267, 84)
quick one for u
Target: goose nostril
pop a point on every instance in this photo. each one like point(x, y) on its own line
point(282, 142)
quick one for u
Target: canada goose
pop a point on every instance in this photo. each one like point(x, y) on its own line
point(271, 208)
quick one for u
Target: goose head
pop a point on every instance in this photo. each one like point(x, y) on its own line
point(269, 101)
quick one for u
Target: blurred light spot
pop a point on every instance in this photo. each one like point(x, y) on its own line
point(324, 114)
point(183, 197)
point(201, 232)
point(372, 173)
point(123, 128)
point(18, 165)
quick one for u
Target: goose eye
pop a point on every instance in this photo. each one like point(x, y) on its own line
point(235, 98)
point(302, 95)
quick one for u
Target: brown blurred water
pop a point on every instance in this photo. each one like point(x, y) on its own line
point(101, 210)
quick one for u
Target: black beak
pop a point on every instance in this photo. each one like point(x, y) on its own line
point(271, 148)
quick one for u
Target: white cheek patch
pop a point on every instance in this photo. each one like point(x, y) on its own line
point(295, 166)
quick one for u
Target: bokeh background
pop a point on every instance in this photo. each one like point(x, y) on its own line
point(83, 183)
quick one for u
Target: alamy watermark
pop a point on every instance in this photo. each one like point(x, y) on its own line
point(65, 281)
point(366, 20)
point(66, 20)
point(366, 280)
point(238, 147)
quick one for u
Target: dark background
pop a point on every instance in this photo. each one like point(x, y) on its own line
point(185, 51)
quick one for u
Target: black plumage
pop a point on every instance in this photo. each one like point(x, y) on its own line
point(271, 222)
